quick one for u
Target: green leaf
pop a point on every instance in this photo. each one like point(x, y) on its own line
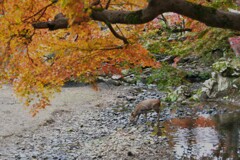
point(54, 1)
point(64, 3)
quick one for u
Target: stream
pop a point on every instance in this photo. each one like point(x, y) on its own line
point(205, 136)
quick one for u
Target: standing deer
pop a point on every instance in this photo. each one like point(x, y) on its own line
point(144, 107)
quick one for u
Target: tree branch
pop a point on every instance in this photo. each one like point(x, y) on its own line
point(108, 4)
point(207, 15)
point(42, 11)
point(124, 39)
point(210, 16)
point(59, 22)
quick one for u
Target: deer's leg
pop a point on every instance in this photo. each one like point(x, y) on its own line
point(159, 132)
point(145, 114)
point(158, 116)
point(137, 118)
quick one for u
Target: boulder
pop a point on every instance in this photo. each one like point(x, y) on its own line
point(225, 79)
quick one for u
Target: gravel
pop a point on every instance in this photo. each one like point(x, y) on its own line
point(99, 131)
point(96, 126)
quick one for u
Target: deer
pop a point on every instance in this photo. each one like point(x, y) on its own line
point(144, 107)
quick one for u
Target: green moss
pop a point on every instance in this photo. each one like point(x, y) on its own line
point(199, 76)
point(220, 66)
point(223, 4)
point(154, 47)
point(166, 77)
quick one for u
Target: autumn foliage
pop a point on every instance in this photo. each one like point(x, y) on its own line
point(39, 62)
point(37, 58)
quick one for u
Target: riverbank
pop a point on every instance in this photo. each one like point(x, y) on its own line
point(86, 124)
point(81, 124)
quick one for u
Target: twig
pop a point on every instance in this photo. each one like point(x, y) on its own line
point(124, 39)
point(182, 30)
point(41, 14)
point(111, 48)
point(120, 30)
point(29, 57)
point(108, 4)
point(41, 10)
point(164, 20)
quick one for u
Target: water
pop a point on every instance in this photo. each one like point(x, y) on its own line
point(205, 137)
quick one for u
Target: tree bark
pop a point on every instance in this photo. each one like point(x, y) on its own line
point(207, 15)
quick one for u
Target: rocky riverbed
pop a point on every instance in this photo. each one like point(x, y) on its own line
point(86, 124)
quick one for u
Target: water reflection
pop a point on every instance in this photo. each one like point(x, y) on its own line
point(205, 137)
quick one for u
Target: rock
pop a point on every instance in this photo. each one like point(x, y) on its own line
point(172, 38)
point(130, 79)
point(147, 71)
point(110, 81)
point(180, 93)
point(169, 59)
point(125, 72)
point(208, 87)
point(116, 76)
point(225, 79)
point(227, 68)
point(217, 53)
point(223, 83)
point(130, 98)
point(130, 153)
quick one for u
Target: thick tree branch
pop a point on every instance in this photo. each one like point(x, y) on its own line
point(210, 16)
point(125, 17)
point(59, 22)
